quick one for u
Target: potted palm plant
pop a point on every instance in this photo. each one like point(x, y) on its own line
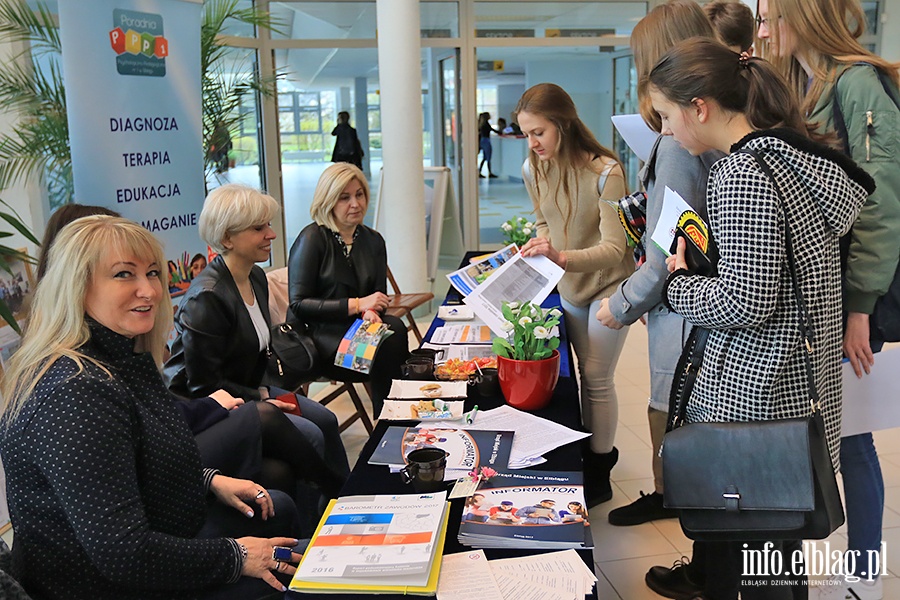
point(527, 358)
point(9, 255)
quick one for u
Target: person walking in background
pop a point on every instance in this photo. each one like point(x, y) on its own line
point(347, 147)
point(733, 23)
point(668, 166)
point(754, 365)
point(565, 173)
point(484, 142)
point(847, 90)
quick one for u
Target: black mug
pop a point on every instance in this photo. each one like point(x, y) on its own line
point(425, 469)
point(418, 368)
point(487, 382)
point(430, 353)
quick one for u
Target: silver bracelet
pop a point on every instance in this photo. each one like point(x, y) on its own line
point(243, 550)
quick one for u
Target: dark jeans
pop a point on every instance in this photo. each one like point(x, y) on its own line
point(224, 521)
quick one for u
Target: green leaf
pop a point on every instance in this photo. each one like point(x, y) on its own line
point(7, 316)
point(553, 344)
point(508, 313)
point(20, 227)
point(501, 347)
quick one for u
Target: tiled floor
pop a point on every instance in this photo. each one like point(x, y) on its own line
point(624, 554)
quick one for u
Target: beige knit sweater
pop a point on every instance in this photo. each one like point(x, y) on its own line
point(598, 257)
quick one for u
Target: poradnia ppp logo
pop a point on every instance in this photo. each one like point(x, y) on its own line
point(137, 39)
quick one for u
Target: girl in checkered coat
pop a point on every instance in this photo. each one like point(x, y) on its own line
point(711, 98)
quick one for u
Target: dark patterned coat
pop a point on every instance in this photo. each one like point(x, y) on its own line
point(105, 487)
point(753, 365)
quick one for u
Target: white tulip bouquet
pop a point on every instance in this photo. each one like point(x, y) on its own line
point(517, 231)
point(532, 334)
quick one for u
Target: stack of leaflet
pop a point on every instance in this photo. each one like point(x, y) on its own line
point(466, 450)
point(376, 545)
point(535, 435)
point(527, 509)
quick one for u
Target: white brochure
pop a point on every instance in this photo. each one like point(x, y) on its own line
point(636, 134)
point(517, 280)
point(673, 207)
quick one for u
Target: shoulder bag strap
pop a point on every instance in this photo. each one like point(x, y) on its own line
point(604, 175)
point(805, 328)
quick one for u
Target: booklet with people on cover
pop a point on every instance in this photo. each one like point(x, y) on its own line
point(533, 509)
point(466, 450)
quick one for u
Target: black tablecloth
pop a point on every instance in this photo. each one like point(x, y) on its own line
point(564, 408)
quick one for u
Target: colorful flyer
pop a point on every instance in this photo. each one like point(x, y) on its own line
point(359, 345)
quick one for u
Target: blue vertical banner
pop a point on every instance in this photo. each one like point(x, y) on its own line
point(132, 75)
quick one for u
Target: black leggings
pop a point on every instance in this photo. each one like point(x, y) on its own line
point(287, 456)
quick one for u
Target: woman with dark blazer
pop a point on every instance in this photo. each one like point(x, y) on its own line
point(337, 272)
point(222, 327)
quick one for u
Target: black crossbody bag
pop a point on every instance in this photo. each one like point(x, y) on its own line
point(757, 480)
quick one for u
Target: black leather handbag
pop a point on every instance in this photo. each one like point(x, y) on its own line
point(293, 357)
point(751, 481)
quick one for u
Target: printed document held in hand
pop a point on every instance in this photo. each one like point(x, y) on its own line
point(673, 207)
point(471, 276)
point(634, 130)
point(517, 280)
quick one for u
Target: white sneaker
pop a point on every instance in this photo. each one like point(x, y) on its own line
point(838, 588)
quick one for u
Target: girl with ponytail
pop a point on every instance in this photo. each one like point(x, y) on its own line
point(709, 97)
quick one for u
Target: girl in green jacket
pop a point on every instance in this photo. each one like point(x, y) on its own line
point(848, 90)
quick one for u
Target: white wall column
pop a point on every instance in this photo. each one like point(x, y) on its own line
point(403, 194)
point(361, 120)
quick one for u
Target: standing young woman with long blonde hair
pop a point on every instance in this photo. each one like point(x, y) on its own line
point(848, 90)
point(569, 175)
point(668, 166)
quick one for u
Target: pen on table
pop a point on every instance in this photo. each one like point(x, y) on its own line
point(471, 416)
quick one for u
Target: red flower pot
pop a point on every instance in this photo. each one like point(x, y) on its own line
point(528, 384)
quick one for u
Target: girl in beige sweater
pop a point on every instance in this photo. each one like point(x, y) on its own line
point(570, 177)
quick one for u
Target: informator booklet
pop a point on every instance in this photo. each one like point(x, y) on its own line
point(527, 509)
point(359, 345)
point(376, 544)
point(466, 450)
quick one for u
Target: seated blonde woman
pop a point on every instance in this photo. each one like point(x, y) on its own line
point(222, 327)
point(337, 272)
point(106, 491)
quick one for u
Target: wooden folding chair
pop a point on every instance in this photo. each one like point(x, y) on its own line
point(278, 307)
point(401, 305)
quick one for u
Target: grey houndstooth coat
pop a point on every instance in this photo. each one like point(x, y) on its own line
point(753, 365)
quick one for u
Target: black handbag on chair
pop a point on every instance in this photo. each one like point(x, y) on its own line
point(751, 481)
point(293, 358)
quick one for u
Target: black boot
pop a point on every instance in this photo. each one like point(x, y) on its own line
point(597, 467)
